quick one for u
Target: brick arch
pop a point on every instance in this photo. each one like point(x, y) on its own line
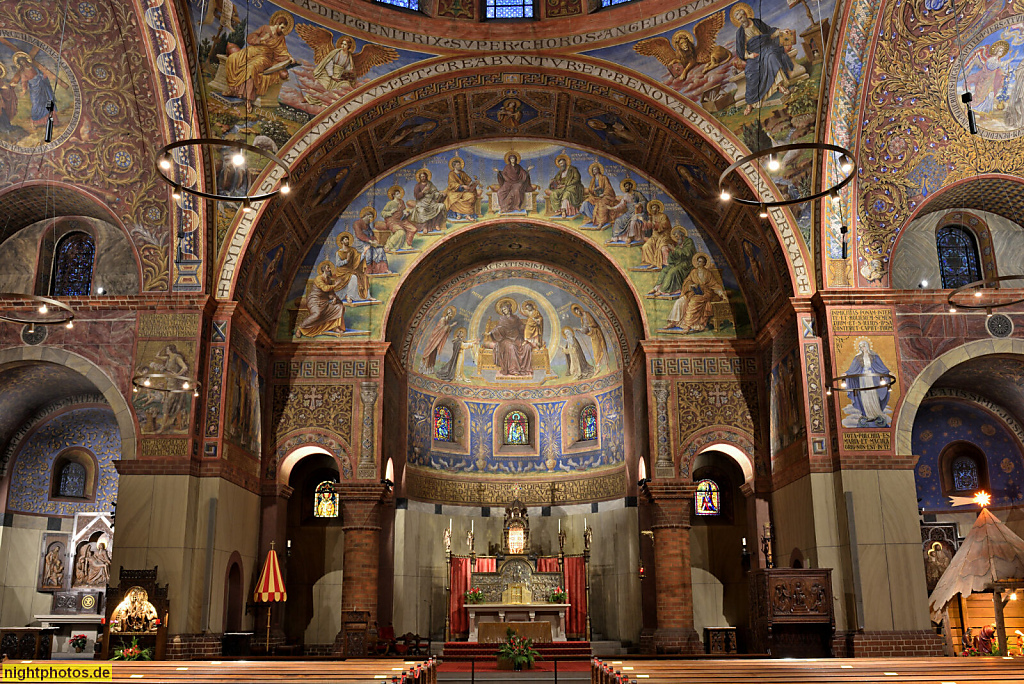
point(709, 438)
point(286, 457)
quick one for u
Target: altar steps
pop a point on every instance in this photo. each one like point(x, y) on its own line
point(456, 651)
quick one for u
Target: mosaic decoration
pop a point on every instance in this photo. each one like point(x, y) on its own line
point(867, 359)
point(707, 498)
point(164, 413)
point(456, 9)
point(443, 424)
point(342, 291)
point(562, 8)
point(243, 422)
point(326, 369)
point(168, 325)
point(328, 407)
point(429, 487)
point(94, 429)
point(704, 365)
point(167, 447)
point(661, 390)
point(965, 474)
point(812, 361)
point(214, 386)
point(786, 413)
point(932, 432)
point(325, 500)
point(958, 256)
point(75, 256)
point(705, 403)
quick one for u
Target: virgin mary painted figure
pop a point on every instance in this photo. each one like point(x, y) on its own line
point(513, 355)
point(868, 405)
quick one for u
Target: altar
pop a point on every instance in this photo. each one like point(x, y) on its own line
point(542, 622)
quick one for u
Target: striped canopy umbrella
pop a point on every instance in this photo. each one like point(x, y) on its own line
point(270, 588)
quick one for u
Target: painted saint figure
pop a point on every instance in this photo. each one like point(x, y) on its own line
point(629, 226)
point(565, 191)
point(534, 329)
point(350, 271)
point(36, 85)
point(366, 240)
point(429, 213)
point(512, 353)
point(438, 336)
point(767, 66)
point(600, 199)
point(453, 369)
point(9, 109)
point(326, 310)
point(986, 72)
point(702, 288)
point(575, 359)
point(678, 264)
point(463, 192)
point(654, 253)
point(396, 217)
point(869, 406)
point(247, 70)
point(593, 331)
point(513, 184)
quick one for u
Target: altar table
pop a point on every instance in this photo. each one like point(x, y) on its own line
point(497, 632)
point(553, 613)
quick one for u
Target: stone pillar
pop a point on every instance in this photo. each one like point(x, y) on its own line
point(367, 462)
point(673, 585)
point(274, 505)
point(360, 514)
point(663, 467)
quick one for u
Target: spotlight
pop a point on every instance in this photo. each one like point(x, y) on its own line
point(101, 290)
point(146, 382)
point(834, 196)
point(43, 309)
point(70, 325)
point(165, 163)
point(845, 165)
point(828, 391)
point(972, 124)
point(184, 385)
point(48, 135)
point(176, 192)
point(952, 309)
point(923, 283)
point(285, 189)
point(773, 163)
point(977, 293)
point(763, 213)
point(196, 394)
point(725, 196)
point(246, 205)
point(238, 158)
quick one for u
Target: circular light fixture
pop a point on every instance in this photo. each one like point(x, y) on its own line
point(37, 311)
point(773, 153)
point(165, 382)
point(164, 156)
point(977, 289)
point(884, 381)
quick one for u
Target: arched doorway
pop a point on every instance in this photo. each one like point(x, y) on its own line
point(235, 601)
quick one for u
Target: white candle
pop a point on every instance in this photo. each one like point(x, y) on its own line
point(559, 524)
point(584, 523)
point(471, 523)
point(744, 541)
point(449, 524)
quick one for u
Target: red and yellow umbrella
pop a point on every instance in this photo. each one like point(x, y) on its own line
point(270, 588)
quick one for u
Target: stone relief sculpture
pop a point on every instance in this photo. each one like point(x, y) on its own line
point(92, 565)
point(53, 567)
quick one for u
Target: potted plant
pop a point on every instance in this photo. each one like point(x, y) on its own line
point(132, 652)
point(474, 595)
point(517, 651)
point(78, 642)
point(559, 595)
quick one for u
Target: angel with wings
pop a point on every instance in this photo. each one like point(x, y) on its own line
point(338, 64)
point(685, 52)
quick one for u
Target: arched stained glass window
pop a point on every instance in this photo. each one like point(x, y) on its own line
point(508, 9)
point(443, 424)
point(72, 267)
point(517, 428)
point(72, 480)
point(588, 422)
point(325, 501)
point(959, 263)
point(707, 499)
point(965, 474)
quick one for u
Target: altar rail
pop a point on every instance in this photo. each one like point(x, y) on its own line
point(831, 670)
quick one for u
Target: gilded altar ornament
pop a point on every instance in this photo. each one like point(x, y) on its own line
point(135, 614)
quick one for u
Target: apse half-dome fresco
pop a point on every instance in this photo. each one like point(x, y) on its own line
point(684, 283)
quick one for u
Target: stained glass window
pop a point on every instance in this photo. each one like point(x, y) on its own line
point(588, 422)
point(707, 499)
point(509, 9)
point(965, 474)
point(443, 424)
point(406, 4)
point(325, 501)
point(610, 3)
point(72, 269)
point(958, 256)
point(517, 428)
point(72, 480)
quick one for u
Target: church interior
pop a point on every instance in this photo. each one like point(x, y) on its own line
point(350, 328)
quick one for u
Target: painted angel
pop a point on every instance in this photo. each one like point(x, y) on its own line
point(338, 64)
point(684, 52)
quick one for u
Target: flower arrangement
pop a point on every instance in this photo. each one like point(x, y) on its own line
point(559, 595)
point(78, 642)
point(474, 595)
point(132, 652)
point(517, 650)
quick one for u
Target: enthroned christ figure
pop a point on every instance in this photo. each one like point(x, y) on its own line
point(513, 355)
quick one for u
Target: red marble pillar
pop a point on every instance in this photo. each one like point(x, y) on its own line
point(670, 508)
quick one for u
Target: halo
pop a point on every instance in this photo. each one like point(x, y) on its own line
point(677, 232)
point(736, 8)
point(627, 179)
point(698, 255)
point(289, 20)
point(3, 71)
point(454, 159)
point(577, 310)
point(512, 153)
point(18, 55)
point(368, 210)
point(164, 156)
point(655, 203)
point(530, 302)
point(568, 162)
point(342, 234)
point(424, 170)
point(395, 189)
point(511, 302)
point(689, 36)
point(461, 330)
point(323, 263)
point(1006, 45)
point(450, 311)
point(566, 328)
point(598, 166)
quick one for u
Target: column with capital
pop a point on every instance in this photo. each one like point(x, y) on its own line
point(663, 467)
point(367, 462)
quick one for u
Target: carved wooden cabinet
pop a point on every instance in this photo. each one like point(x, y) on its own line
point(791, 612)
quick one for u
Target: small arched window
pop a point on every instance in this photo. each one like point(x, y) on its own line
point(72, 480)
point(325, 500)
point(508, 9)
point(443, 424)
point(965, 474)
point(707, 499)
point(959, 263)
point(517, 429)
point(72, 265)
point(588, 423)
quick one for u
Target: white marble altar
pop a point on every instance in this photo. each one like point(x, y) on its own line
point(517, 612)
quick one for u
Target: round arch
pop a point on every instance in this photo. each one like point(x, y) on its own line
point(932, 372)
point(293, 449)
point(122, 411)
point(735, 443)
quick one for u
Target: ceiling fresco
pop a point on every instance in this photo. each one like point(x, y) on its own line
point(688, 286)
